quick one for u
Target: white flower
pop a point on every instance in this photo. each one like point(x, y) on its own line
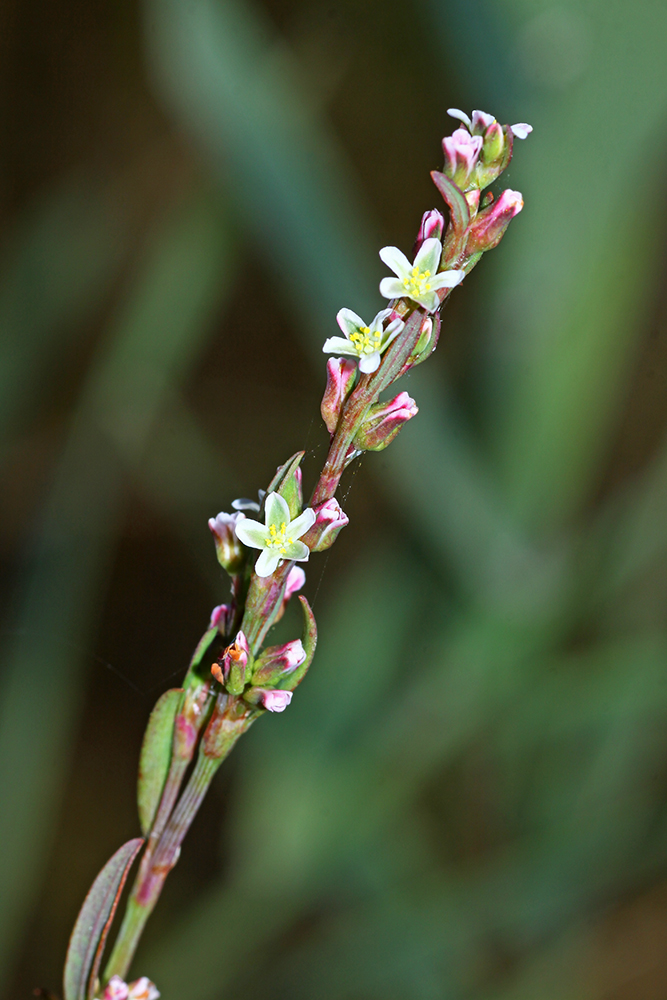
point(481, 121)
point(278, 538)
point(419, 281)
point(363, 342)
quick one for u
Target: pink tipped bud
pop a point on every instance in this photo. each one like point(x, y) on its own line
point(228, 548)
point(143, 989)
point(432, 227)
point(230, 669)
point(384, 421)
point(330, 518)
point(481, 121)
point(277, 662)
point(494, 144)
point(340, 379)
point(219, 617)
point(461, 155)
point(116, 989)
point(275, 701)
point(489, 227)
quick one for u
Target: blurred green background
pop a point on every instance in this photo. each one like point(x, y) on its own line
point(467, 799)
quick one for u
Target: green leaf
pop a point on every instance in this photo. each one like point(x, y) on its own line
point(156, 756)
point(309, 641)
point(459, 212)
point(92, 924)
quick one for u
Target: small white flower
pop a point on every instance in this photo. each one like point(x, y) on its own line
point(278, 538)
point(481, 121)
point(419, 281)
point(363, 342)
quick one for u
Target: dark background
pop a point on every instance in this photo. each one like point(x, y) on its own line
point(467, 799)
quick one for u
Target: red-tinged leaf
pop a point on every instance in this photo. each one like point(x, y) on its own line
point(92, 925)
point(453, 195)
point(155, 756)
point(309, 642)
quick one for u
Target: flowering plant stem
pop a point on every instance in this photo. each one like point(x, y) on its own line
point(193, 729)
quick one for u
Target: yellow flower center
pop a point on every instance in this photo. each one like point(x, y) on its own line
point(366, 342)
point(417, 283)
point(277, 538)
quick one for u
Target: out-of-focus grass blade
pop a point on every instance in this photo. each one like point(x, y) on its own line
point(57, 262)
point(251, 115)
point(155, 340)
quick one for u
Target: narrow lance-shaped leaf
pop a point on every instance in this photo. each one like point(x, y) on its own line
point(309, 642)
point(156, 756)
point(92, 924)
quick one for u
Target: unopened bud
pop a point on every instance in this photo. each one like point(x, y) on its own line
point(232, 665)
point(461, 151)
point(277, 662)
point(329, 519)
point(489, 227)
point(383, 422)
point(143, 989)
point(274, 701)
point(432, 227)
point(219, 617)
point(340, 379)
point(227, 546)
point(494, 143)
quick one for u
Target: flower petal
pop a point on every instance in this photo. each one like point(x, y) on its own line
point(369, 362)
point(376, 324)
point(481, 121)
point(392, 288)
point(300, 525)
point(429, 300)
point(348, 321)
point(339, 345)
point(447, 279)
point(521, 130)
point(461, 115)
point(251, 533)
point(428, 256)
point(298, 551)
point(396, 261)
point(277, 511)
point(394, 328)
point(267, 562)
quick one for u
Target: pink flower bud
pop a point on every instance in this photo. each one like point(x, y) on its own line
point(494, 144)
point(432, 227)
point(384, 421)
point(219, 616)
point(116, 989)
point(330, 518)
point(228, 548)
point(277, 662)
point(489, 227)
point(340, 379)
point(461, 154)
point(275, 701)
point(143, 989)
point(481, 121)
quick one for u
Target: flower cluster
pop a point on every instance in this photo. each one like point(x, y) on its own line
point(140, 989)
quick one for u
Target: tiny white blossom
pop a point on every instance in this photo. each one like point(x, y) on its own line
point(366, 343)
point(419, 281)
point(481, 121)
point(278, 538)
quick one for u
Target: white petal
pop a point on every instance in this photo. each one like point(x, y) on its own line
point(447, 279)
point(461, 115)
point(482, 118)
point(348, 321)
point(391, 288)
point(429, 255)
point(277, 511)
point(378, 320)
point(396, 261)
point(300, 525)
point(393, 329)
point(267, 562)
point(369, 363)
point(338, 345)
point(429, 300)
point(251, 533)
point(521, 130)
point(298, 551)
